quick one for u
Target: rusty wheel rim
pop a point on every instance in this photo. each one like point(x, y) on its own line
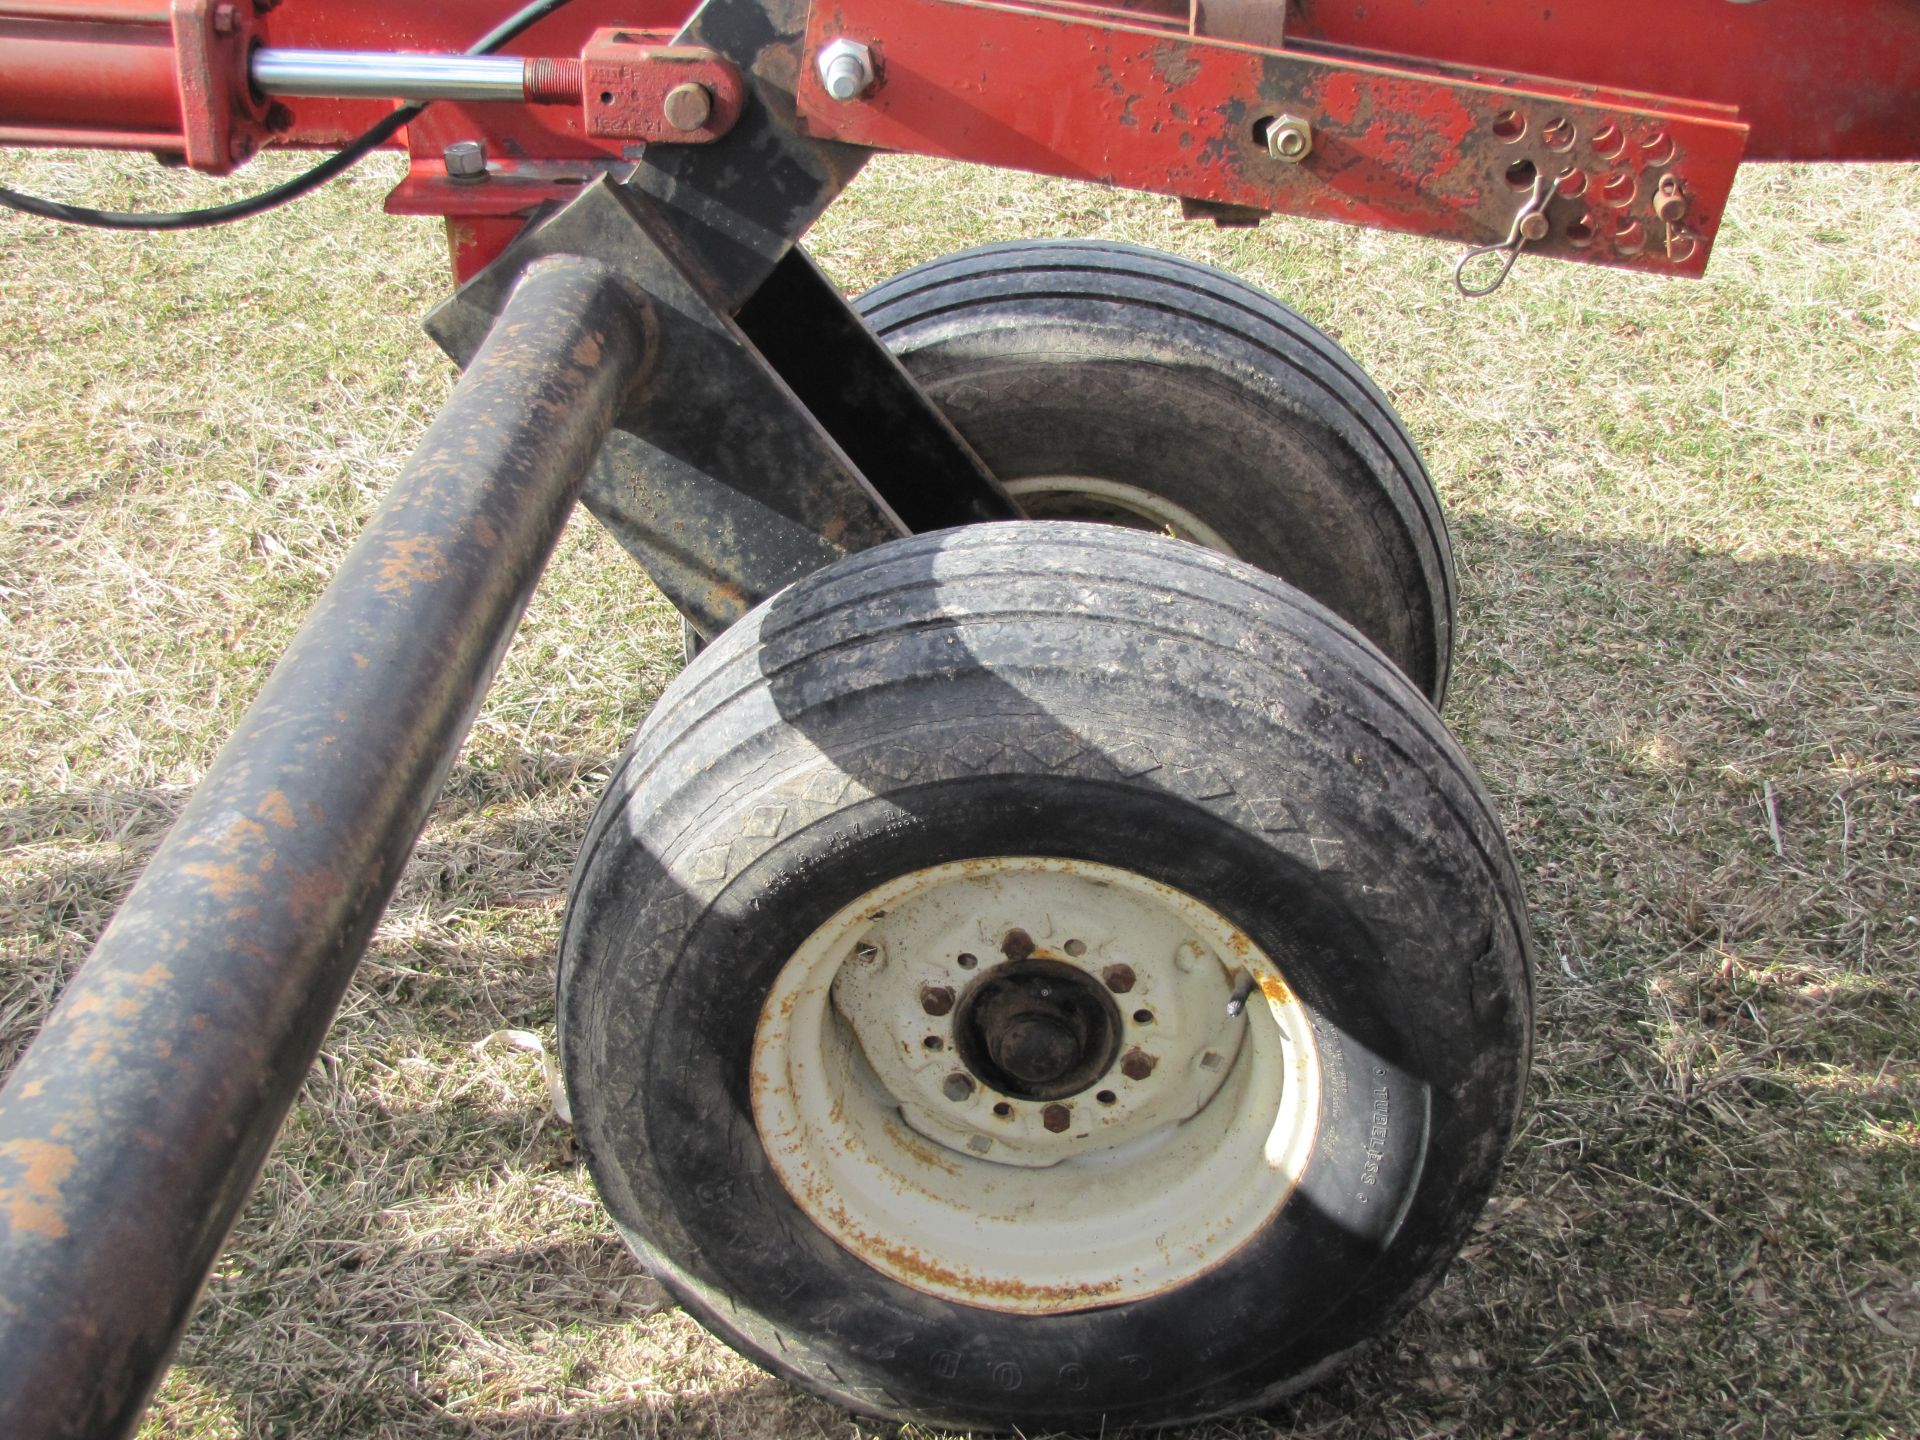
point(1013, 1082)
point(1112, 502)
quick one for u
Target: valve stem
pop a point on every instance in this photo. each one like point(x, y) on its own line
point(1237, 1001)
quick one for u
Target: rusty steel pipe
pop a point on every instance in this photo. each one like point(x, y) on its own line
point(137, 1123)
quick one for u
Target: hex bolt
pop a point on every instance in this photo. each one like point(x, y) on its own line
point(226, 19)
point(688, 106)
point(1056, 1118)
point(957, 1087)
point(1289, 139)
point(1137, 1064)
point(466, 161)
point(846, 69)
point(936, 999)
point(1119, 978)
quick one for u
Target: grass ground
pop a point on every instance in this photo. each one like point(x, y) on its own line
point(1688, 524)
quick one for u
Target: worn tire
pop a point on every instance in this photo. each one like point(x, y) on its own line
point(1195, 390)
point(1113, 699)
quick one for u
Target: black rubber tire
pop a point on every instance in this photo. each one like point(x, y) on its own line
point(1083, 692)
point(1126, 364)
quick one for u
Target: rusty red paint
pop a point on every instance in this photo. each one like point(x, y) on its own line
point(1104, 95)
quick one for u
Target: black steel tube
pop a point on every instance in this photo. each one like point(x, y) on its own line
point(137, 1123)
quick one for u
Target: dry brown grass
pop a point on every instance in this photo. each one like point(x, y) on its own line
point(1688, 519)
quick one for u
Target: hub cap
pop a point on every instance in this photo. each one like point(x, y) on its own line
point(1013, 1082)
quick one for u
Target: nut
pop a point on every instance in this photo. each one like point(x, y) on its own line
point(846, 69)
point(957, 1087)
point(687, 106)
point(1119, 978)
point(1289, 139)
point(1056, 1118)
point(466, 160)
point(1137, 1064)
point(936, 999)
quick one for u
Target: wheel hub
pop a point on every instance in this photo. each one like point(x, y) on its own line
point(1084, 1122)
point(1037, 1029)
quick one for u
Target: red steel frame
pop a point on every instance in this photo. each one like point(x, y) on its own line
point(1429, 117)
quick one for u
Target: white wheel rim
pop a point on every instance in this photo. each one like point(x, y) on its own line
point(1082, 497)
point(1156, 1177)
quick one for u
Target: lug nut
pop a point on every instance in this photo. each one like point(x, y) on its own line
point(1119, 978)
point(466, 160)
point(688, 106)
point(1056, 1118)
point(957, 1087)
point(1137, 1064)
point(1289, 138)
point(846, 69)
point(936, 999)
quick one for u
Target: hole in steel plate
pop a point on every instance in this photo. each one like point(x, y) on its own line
point(1629, 236)
point(1657, 148)
point(1509, 125)
point(1580, 232)
point(1558, 133)
point(1618, 189)
point(1521, 174)
point(1608, 141)
point(1572, 182)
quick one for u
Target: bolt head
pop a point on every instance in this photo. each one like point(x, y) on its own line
point(465, 160)
point(1056, 1118)
point(957, 1087)
point(226, 19)
point(936, 999)
point(846, 69)
point(1289, 139)
point(688, 106)
point(1137, 1064)
point(1119, 978)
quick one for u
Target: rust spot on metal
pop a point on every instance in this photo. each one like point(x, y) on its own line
point(227, 881)
point(274, 809)
point(1275, 990)
point(917, 1268)
point(33, 1204)
point(310, 895)
point(586, 354)
point(410, 560)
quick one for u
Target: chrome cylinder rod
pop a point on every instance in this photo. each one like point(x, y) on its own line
point(380, 75)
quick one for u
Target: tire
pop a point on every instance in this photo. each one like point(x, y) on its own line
point(1110, 382)
point(1079, 745)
